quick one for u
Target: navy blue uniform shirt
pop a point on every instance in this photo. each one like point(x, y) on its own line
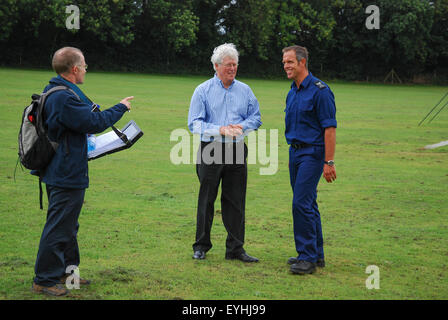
point(69, 120)
point(309, 110)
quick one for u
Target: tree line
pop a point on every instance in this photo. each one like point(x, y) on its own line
point(178, 36)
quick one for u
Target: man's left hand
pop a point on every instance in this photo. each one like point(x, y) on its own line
point(238, 128)
point(329, 173)
point(232, 130)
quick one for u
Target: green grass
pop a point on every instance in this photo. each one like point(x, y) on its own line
point(387, 208)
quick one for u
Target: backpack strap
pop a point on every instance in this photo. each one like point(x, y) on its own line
point(44, 97)
point(40, 193)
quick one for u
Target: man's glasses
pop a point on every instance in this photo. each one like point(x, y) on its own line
point(230, 65)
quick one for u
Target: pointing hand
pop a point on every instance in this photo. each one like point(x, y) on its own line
point(126, 101)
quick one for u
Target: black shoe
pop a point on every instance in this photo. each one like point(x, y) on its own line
point(199, 255)
point(303, 267)
point(242, 256)
point(319, 263)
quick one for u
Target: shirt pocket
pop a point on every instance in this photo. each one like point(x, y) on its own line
point(306, 106)
point(305, 112)
point(238, 107)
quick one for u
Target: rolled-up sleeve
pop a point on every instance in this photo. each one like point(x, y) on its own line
point(326, 108)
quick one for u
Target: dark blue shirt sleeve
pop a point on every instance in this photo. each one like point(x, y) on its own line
point(326, 108)
point(78, 116)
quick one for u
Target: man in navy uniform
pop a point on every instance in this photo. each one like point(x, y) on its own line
point(310, 130)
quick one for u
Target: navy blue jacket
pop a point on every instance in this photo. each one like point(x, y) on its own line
point(69, 120)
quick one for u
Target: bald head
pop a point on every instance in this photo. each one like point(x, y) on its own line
point(65, 58)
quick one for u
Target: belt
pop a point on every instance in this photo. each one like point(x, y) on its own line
point(300, 145)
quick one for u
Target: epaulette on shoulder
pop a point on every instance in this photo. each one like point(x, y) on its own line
point(320, 85)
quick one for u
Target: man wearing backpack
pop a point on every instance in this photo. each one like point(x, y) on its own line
point(69, 120)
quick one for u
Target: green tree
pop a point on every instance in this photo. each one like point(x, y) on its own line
point(107, 20)
point(438, 45)
point(179, 35)
point(181, 31)
point(405, 33)
point(36, 28)
point(8, 16)
point(349, 56)
point(247, 24)
point(262, 28)
point(401, 42)
point(299, 22)
point(306, 23)
point(165, 28)
point(99, 17)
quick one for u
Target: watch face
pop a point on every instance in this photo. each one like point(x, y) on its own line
point(330, 163)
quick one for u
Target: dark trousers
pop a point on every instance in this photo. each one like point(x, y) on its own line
point(233, 175)
point(305, 168)
point(58, 246)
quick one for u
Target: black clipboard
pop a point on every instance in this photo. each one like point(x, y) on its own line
point(112, 142)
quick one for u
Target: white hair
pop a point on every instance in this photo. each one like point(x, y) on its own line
point(222, 51)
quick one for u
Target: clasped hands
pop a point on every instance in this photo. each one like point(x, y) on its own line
point(232, 130)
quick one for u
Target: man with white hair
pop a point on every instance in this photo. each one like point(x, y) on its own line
point(222, 111)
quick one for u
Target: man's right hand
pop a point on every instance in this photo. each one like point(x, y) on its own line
point(126, 101)
point(231, 130)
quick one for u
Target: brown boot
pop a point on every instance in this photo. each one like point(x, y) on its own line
point(56, 290)
point(82, 281)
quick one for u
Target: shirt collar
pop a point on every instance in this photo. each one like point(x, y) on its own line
point(75, 88)
point(305, 83)
point(220, 82)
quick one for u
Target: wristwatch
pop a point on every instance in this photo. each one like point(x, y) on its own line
point(329, 162)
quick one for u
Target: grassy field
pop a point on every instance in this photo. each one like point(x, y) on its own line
point(387, 208)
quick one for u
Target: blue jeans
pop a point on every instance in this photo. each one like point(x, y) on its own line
point(58, 246)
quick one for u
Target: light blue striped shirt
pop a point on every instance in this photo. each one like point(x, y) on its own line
point(213, 106)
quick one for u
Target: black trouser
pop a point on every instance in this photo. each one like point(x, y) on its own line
point(233, 175)
point(58, 248)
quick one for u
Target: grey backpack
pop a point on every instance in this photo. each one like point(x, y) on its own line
point(35, 148)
